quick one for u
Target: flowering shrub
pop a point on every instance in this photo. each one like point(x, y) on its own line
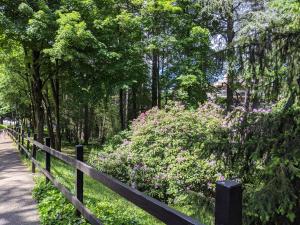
point(177, 155)
point(164, 153)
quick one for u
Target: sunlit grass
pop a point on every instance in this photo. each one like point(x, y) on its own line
point(96, 195)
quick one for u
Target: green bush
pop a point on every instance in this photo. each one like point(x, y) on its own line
point(164, 154)
point(176, 155)
point(265, 153)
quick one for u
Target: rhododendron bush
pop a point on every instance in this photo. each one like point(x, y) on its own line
point(163, 153)
point(176, 155)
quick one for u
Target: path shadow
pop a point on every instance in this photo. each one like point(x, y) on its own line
point(17, 206)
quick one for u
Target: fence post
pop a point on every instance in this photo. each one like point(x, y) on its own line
point(228, 209)
point(48, 164)
point(19, 138)
point(22, 140)
point(33, 153)
point(28, 142)
point(22, 136)
point(17, 135)
point(79, 176)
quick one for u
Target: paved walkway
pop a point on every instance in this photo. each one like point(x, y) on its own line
point(16, 182)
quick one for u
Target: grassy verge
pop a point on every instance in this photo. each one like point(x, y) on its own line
point(69, 149)
point(111, 208)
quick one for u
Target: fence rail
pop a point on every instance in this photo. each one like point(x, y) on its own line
point(228, 193)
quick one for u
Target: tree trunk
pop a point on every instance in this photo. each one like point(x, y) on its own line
point(75, 133)
point(67, 132)
point(247, 100)
point(102, 131)
point(230, 58)
point(55, 93)
point(134, 112)
point(32, 122)
point(155, 78)
point(37, 94)
point(121, 109)
point(91, 118)
point(255, 82)
point(86, 134)
point(126, 108)
point(30, 87)
point(79, 134)
point(49, 120)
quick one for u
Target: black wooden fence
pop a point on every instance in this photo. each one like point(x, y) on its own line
point(228, 204)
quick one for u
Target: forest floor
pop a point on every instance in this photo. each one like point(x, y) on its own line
point(16, 183)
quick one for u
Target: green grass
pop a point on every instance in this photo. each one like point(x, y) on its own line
point(69, 149)
point(105, 204)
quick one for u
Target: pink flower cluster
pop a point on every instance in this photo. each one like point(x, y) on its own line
point(180, 159)
point(161, 176)
point(126, 142)
point(210, 185)
point(261, 110)
point(220, 177)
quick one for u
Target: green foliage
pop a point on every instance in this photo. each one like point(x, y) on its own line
point(16, 98)
point(188, 90)
point(164, 155)
point(73, 38)
point(290, 11)
point(264, 153)
point(55, 209)
point(25, 9)
point(57, 53)
point(176, 155)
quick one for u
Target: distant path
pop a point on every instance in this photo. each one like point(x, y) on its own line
point(16, 182)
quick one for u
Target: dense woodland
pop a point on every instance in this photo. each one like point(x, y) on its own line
point(136, 78)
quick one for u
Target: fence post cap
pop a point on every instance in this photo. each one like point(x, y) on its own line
point(48, 141)
point(78, 146)
point(229, 184)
